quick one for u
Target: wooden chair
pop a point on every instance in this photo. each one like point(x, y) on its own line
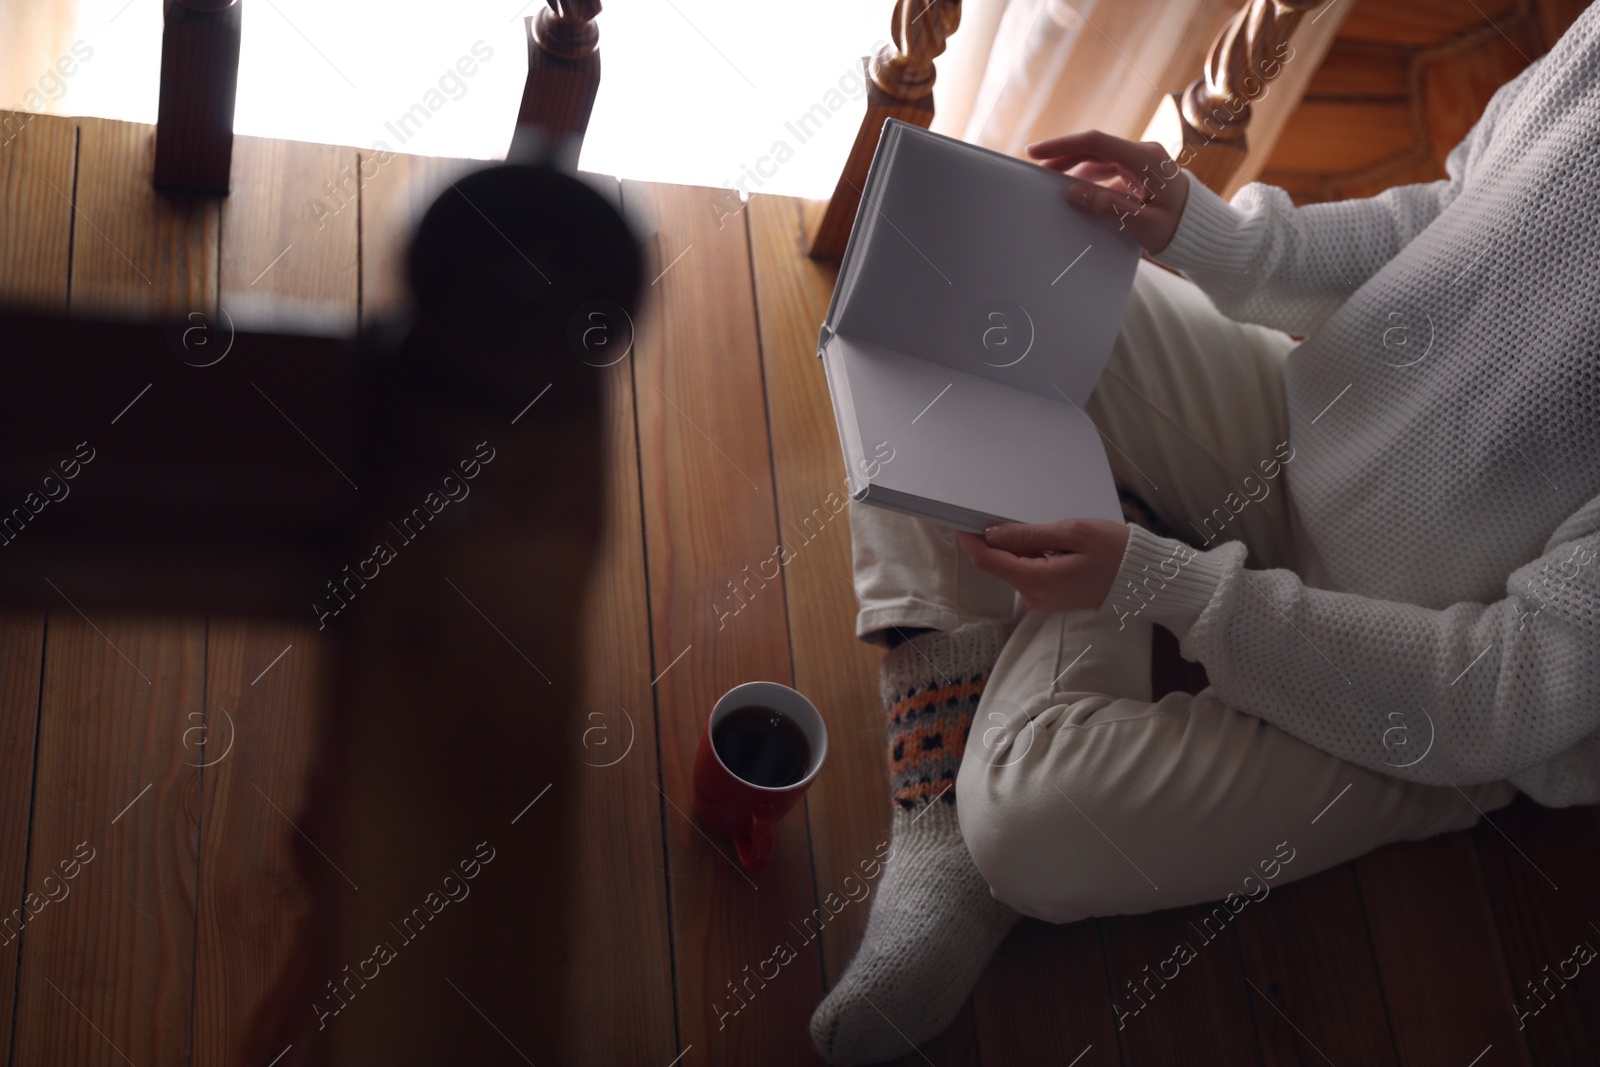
point(203, 510)
point(200, 79)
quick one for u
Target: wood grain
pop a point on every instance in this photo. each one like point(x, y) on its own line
point(109, 971)
point(1203, 1015)
point(1305, 948)
point(460, 685)
point(563, 79)
point(254, 742)
point(21, 656)
point(838, 218)
point(1362, 70)
point(1045, 998)
point(956, 1047)
point(36, 152)
point(289, 249)
point(849, 804)
point(1420, 21)
point(199, 84)
point(1340, 136)
point(398, 189)
point(1308, 187)
point(37, 158)
point(627, 1010)
point(1444, 974)
point(1457, 89)
point(265, 682)
point(135, 253)
point(1438, 60)
point(1555, 16)
point(1542, 869)
point(706, 474)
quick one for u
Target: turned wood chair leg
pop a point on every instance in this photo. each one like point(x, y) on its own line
point(199, 81)
point(563, 79)
point(1204, 127)
point(899, 86)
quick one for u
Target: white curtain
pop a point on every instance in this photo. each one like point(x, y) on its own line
point(1018, 71)
point(34, 36)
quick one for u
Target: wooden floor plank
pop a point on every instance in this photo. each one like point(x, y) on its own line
point(1307, 953)
point(849, 804)
point(1045, 999)
point(478, 766)
point(1203, 1014)
point(289, 260)
point(850, 801)
point(135, 253)
point(395, 190)
point(622, 914)
point(282, 267)
point(1444, 975)
point(110, 974)
point(37, 158)
point(1542, 868)
point(747, 965)
point(107, 973)
point(37, 153)
point(956, 1047)
point(25, 892)
point(254, 743)
point(622, 911)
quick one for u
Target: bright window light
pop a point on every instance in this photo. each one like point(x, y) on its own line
point(702, 92)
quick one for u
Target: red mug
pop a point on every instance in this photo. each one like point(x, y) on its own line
point(730, 806)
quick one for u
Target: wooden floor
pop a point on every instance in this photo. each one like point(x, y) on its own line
point(159, 761)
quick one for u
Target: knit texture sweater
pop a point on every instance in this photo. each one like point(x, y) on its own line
point(1442, 622)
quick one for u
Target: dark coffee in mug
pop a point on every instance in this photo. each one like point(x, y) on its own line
point(762, 745)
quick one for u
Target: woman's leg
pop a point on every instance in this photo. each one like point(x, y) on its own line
point(910, 575)
point(1079, 797)
point(1077, 801)
point(933, 922)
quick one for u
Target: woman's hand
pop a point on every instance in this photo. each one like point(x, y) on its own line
point(1056, 566)
point(1133, 182)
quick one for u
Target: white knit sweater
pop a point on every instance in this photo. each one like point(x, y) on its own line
point(1446, 595)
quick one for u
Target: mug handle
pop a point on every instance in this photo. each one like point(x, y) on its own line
point(755, 843)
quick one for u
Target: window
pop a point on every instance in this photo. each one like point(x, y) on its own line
point(765, 96)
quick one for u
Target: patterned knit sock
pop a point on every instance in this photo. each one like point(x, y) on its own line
point(933, 924)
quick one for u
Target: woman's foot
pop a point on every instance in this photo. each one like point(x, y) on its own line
point(933, 925)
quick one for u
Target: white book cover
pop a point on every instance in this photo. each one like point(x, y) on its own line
point(973, 314)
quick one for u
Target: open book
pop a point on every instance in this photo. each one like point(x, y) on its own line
point(974, 311)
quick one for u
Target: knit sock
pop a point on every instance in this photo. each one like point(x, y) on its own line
point(933, 924)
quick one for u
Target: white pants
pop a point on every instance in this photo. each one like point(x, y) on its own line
point(1077, 795)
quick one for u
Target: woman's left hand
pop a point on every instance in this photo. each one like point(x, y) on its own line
point(1056, 566)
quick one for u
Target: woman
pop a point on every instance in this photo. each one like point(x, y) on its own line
point(1388, 565)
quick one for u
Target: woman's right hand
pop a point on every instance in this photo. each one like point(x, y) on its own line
point(1134, 183)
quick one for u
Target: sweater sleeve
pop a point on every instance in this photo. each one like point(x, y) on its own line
point(1262, 259)
point(1467, 694)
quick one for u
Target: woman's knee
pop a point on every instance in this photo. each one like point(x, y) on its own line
point(1027, 817)
point(1072, 815)
point(995, 832)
